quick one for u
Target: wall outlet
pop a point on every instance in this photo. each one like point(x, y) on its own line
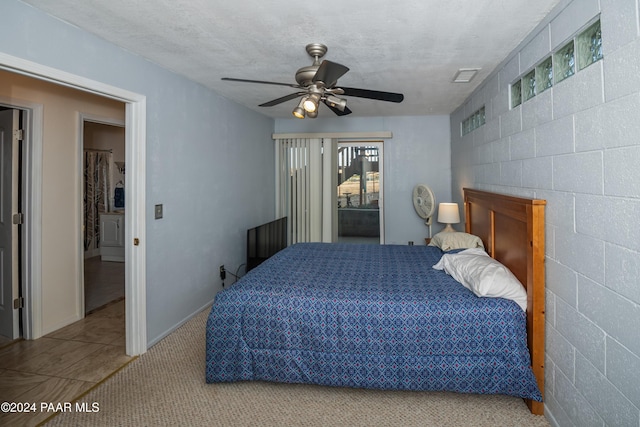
point(223, 273)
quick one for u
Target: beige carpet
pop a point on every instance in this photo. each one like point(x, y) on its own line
point(165, 387)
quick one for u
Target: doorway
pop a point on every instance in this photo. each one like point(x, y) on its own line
point(360, 192)
point(135, 236)
point(103, 168)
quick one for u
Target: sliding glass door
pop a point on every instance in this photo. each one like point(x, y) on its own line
point(359, 192)
point(331, 190)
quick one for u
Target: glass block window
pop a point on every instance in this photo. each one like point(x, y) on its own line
point(544, 75)
point(516, 94)
point(564, 61)
point(466, 126)
point(589, 46)
point(583, 50)
point(529, 85)
point(473, 122)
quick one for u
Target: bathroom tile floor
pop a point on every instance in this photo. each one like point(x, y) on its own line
point(103, 283)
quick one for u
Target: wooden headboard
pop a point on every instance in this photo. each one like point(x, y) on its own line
point(512, 230)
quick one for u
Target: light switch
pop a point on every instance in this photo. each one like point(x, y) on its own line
point(158, 211)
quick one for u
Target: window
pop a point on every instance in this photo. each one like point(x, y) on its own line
point(544, 75)
point(589, 45)
point(473, 122)
point(516, 94)
point(564, 60)
point(583, 50)
point(529, 85)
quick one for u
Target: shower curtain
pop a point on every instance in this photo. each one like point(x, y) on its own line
point(97, 188)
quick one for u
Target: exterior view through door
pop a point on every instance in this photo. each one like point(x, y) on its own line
point(359, 192)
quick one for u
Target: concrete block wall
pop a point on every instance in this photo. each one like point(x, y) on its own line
point(577, 145)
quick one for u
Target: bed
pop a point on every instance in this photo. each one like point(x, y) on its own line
point(379, 316)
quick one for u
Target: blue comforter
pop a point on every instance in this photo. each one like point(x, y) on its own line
point(371, 316)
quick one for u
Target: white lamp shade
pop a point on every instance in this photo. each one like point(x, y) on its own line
point(448, 213)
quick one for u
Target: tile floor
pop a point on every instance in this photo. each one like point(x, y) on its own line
point(104, 283)
point(4, 341)
point(61, 366)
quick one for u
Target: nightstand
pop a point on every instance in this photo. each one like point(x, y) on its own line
point(427, 240)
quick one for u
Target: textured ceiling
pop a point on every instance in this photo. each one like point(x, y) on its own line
point(414, 47)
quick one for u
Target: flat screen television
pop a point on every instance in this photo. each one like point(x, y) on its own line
point(265, 240)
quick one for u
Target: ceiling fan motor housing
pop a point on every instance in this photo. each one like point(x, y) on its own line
point(304, 76)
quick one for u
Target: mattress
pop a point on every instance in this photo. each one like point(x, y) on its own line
point(367, 316)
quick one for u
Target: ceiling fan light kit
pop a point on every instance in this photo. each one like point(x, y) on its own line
point(311, 103)
point(299, 111)
point(317, 83)
point(335, 102)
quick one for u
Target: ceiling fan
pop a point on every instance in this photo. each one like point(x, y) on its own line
point(318, 83)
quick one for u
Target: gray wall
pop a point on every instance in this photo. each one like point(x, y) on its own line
point(576, 145)
point(418, 153)
point(204, 154)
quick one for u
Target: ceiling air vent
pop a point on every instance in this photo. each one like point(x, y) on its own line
point(464, 75)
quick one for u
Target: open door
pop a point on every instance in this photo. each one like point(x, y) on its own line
point(9, 220)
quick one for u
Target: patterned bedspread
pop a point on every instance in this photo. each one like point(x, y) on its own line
point(371, 316)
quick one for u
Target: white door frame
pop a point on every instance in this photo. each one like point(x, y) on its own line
point(135, 158)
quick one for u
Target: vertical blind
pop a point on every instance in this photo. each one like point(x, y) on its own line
point(299, 187)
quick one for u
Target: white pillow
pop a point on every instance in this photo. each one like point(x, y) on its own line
point(483, 275)
point(449, 240)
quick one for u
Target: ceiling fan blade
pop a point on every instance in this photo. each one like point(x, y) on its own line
point(329, 73)
point(282, 99)
point(260, 82)
point(373, 94)
point(337, 110)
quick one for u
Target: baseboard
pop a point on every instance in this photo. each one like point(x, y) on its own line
point(182, 322)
